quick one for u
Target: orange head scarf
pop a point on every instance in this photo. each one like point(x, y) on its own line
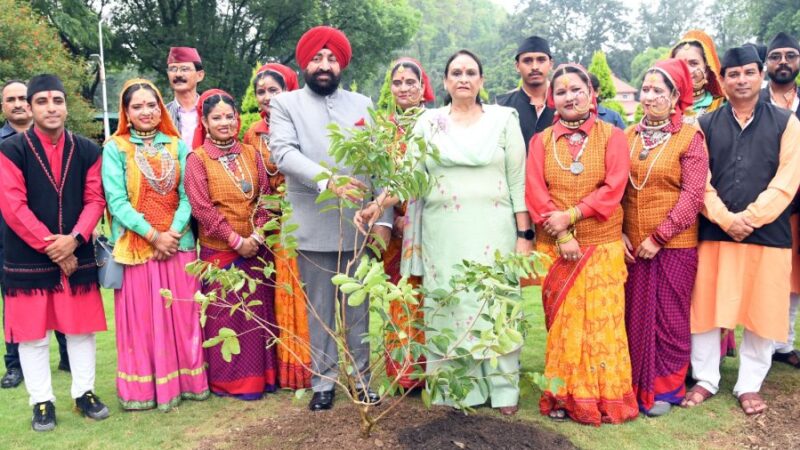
point(288, 75)
point(321, 37)
point(711, 57)
point(166, 125)
point(200, 131)
point(592, 94)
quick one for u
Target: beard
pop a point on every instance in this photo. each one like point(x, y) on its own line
point(325, 88)
point(779, 76)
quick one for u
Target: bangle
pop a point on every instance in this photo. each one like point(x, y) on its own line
point(155, 236)
point(257, 237)
point(572, 216)
point(565, 238)
point(239, 242)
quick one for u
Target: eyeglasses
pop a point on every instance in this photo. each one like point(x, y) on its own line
point(777, 57)
point(183, 70)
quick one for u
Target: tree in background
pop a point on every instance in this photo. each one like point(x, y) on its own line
point(250, 112)
point(233, 36)
point(575, 28)
point(30, 46)
point(599, 67)
point(661, 23)
point(76, 22)
point(644, 61)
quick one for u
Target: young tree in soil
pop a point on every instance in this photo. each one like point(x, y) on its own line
point(378, 149)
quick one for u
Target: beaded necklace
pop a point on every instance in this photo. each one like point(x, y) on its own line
point(646, 152)
point(165, 182)
point(238, 173)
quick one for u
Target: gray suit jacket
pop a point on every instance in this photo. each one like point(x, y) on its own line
point(299, 142)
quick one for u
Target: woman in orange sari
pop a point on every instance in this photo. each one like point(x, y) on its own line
point(410, 89)
point(576, 175)
point(294, 356)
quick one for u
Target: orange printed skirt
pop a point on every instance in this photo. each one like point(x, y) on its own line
point(402, 369)
point(587, 346)
point(294, 351)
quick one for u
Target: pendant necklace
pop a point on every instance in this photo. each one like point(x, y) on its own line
point(576, 167)
point(663, 144)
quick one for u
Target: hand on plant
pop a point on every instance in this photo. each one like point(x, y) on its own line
point(249, 248)
point(382, 232)
point(629, 258)
point(352, 190)
point(367, 216)
point(63, 246)
point(556, 223)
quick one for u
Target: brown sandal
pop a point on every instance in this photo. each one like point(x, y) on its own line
point(756, 404)
point(691, 396)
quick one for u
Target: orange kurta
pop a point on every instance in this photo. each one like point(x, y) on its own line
point(748, 284)
point(294, 355)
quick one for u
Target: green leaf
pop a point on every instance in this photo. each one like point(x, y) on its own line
point(357, 298)
point(426, 398)
point(298, 394)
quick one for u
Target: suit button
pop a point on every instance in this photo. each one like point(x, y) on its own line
point(737, 180)
point(738, 158)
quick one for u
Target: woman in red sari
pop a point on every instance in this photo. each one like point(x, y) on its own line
point(294, 355)
point(576, 174)
point(410, 90)
point(224, 180)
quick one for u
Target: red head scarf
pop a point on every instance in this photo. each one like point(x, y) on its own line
point(710, 54)
point(427, 93)
point(288, 75)
point(289, 78)
point(592, 95)
point(677, 71)
point(200, 131)
point(166, 125)
point(183, 55)
point(321, 37)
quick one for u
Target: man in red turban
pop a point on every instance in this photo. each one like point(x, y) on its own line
point(321, 37)
point(299, 141)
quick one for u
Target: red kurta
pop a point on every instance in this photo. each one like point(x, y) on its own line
point(29, 316)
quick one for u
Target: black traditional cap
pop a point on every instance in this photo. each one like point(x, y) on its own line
point(783, 40)
point(740, 56)
point(533, 44)
point(761, 49)
point(43, 83)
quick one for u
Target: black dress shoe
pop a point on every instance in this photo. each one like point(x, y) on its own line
point(90, 406)
point(368, 396)
point(12, 378)
point(321, 400)
point(44, 417)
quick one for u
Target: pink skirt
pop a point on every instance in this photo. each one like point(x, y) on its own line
point(159, 348)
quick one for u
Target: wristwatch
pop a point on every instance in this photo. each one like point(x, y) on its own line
point(525, 234)
point(78, 238)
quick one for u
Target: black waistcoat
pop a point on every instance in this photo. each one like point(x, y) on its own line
point(528, 120)
point(57, 204)
point(742, 163)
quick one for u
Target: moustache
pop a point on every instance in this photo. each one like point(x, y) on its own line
point(323, 72)
point(17, 110)
point(535, 72)
point(179, 79)
point(784, 67)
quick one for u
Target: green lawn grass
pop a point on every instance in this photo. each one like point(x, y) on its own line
point(193, 423)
